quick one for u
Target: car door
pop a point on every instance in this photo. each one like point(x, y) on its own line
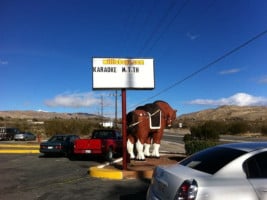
point(256, 170)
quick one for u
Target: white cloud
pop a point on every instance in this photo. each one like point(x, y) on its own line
point(40, 110)
point(3, 62)
point(230, 71)
point(239, 99)
point(75, 100)
point(263, 80)
point(192, 36)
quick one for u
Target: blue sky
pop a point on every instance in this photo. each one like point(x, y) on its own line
point(46, 50)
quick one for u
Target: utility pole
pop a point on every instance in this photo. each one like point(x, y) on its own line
point(116, 107)
point(102, 108)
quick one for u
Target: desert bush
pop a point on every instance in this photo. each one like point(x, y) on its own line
point(73, 126)
point(238, 127)
point(264, 130)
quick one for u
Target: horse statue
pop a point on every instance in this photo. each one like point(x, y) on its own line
point(145, 127)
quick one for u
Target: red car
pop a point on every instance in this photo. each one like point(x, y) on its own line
point(104, 142)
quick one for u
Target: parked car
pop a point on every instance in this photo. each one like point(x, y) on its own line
point(25, 136)
point(231, 171)
point(61, 144)
point(104, 142)
point(8, 133)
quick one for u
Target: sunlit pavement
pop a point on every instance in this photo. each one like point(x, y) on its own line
point(135, 169)
point(12, 147)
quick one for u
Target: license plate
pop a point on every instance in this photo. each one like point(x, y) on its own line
point(50, 147)
point(87, 151)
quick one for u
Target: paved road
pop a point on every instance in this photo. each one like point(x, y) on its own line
point(43, 178)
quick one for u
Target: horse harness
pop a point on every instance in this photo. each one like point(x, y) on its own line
point(150, 115)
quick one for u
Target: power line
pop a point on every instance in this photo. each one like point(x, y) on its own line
point(158, 25)
point(208, 65)
point(179, 11)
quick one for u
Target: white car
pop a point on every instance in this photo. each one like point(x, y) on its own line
point(234, 171)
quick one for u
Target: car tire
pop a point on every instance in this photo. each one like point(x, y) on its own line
point(110, 154)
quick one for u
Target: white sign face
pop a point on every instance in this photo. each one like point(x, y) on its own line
point(118, 73)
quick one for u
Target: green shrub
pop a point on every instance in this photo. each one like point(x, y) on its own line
point(203, 136)
point(210, 130)
point(193, 146)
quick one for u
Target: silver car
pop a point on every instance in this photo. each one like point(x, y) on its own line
point(25, 136)
point(234, 171)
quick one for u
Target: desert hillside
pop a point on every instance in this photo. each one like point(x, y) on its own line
point(228, 113)
point(42, 115)
point(224, 113)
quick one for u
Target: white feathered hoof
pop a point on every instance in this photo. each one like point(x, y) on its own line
point(132, 158)
point(157, 157)
point(155, 152)
point(140, 159)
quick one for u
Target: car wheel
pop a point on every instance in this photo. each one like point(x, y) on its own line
point(109, 154)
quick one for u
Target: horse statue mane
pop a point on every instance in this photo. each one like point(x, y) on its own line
point(146, 125)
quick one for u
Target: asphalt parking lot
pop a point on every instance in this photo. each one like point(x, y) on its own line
point(26, 174)
point(30, 176)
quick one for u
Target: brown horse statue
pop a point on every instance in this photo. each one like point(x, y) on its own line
point(146, 125)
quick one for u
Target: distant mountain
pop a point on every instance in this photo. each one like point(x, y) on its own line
point(228, 113)
point(43, 115)
point(224, 113)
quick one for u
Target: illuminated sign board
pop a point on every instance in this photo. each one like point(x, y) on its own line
point(118, 73)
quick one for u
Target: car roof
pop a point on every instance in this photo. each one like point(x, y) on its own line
point(246, 146)
point(64, 135)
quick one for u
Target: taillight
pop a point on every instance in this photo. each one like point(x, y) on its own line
point(58, 147)
point(187, 191)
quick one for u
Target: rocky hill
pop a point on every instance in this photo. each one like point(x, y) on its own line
point(224, 113)
point(42, 115)
point(228, 113)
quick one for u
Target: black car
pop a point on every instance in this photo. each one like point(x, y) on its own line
point(8, 133)
point(61, 144)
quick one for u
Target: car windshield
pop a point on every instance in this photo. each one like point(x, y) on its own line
point(104, 134)
point(57, 138)
point(212, 159)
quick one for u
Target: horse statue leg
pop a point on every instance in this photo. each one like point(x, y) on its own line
point(140, 150)
point(155, 152)
point(156, 143)
point(130, 146)
point(147, 147)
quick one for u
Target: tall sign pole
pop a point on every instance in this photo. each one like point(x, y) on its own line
point(124, 129)
point(123, 73)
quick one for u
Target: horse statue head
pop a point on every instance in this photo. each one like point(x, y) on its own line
point(169, 113)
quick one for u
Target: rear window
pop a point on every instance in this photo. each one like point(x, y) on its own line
point(57, 138)
point(104, 134)
point(211, 160)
